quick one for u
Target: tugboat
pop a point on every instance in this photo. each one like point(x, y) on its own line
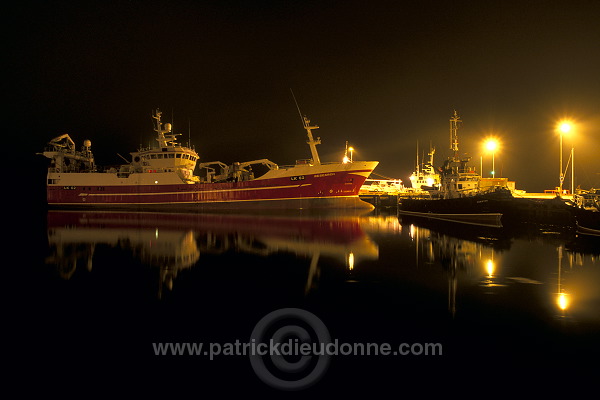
point(458, 197)
point(162, 178)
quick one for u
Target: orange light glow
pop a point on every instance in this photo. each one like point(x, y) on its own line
point(491, 145)
point(490, 267)
point(565, 126)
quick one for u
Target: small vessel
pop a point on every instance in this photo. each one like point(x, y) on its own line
point(163, 178)
point(382, 186)
point(458, 196)
point(587, 212)
point(588, 199)
point(425, 176)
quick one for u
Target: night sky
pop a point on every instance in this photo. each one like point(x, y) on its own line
point(381, 75)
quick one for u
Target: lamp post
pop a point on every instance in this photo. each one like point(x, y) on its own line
point(563, 128)
point(351, 149)
point(492, 145)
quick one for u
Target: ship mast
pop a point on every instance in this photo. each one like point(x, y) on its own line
point(418, 169)
point(163, 140)
point(430, 154)
point(454, 123)
point(312, 143)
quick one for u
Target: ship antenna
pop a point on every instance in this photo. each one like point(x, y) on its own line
point(417, 157)
point(454, 122)
point(298, 108)
point(312, 143)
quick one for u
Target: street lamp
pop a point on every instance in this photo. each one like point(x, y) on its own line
point(351, 149)
point(565, 127)
point(492, 145)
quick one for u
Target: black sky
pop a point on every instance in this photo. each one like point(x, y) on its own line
point(381, 75)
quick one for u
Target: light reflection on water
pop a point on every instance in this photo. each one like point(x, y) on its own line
point(565, 266)
point(415, 272)
point(176, 242)
point(487, 258)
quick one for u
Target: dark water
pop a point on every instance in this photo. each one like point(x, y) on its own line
point(506, 308)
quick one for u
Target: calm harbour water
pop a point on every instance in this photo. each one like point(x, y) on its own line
point(504, 306)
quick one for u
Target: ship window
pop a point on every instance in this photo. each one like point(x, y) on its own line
point(186, 156)
point(153, 156)
point(159, 156)
point(178, 155)
point(171, 155)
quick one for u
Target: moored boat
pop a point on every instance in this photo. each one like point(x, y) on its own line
point(425, 177)
point(162, 178)
point(457, 197)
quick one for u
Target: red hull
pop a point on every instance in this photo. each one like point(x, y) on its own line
point(315, 191)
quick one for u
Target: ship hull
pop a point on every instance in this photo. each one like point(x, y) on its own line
point(482, 219)
point(322, 186)
point(514, 211)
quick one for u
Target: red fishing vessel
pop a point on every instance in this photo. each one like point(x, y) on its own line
point(163, 178)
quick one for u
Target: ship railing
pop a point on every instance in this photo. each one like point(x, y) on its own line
point(420, 196)
point(310, 164)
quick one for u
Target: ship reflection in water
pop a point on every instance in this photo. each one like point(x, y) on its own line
point(563, 265)
point(487, 258)
point(172, 243)
point(484, 293)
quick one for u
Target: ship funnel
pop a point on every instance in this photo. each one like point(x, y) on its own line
point(87, 143)
point(168, 127)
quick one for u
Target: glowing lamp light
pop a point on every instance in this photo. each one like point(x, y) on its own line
point(351, 261)
point(491, 145)
point(565, 127)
